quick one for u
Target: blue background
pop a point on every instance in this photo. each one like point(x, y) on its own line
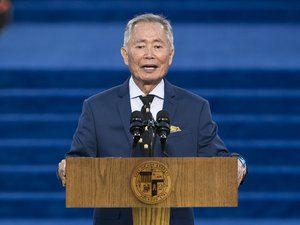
point(243, 56)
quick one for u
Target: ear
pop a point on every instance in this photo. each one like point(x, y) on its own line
point(124, 55)
point(171, 56)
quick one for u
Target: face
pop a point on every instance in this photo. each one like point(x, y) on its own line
point(148, 53)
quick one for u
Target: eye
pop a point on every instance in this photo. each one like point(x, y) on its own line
point(139, 46)
point(158, 46)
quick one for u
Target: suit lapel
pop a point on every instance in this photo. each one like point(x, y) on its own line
point(124, 109)
point(170, 103)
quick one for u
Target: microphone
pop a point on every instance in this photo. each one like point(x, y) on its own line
point(136, 125)
point(163, 125)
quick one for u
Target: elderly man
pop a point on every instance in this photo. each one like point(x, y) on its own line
point(103, 129)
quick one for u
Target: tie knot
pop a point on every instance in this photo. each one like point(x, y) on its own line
point(146, 99)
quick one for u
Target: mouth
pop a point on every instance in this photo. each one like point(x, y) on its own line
point(149, 67)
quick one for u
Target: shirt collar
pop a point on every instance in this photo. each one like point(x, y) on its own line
point(135, 91)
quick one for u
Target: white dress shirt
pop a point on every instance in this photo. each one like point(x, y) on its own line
point(137, 104)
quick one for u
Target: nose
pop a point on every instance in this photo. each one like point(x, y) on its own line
point(148, 53)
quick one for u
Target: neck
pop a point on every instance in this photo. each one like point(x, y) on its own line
point(146, 88)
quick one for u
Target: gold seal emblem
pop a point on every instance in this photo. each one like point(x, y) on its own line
point(151, 182)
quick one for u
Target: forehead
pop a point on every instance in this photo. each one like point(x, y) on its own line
point(148, 30)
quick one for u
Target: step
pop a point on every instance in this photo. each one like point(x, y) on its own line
point(251, 205)
point(51, 151)
point(258, 205)
point(38, 129)
point(198, 221)
point(38, 205)
point(42, 178)
point(256, 127)
point(29, 178)
point(207, 11)
point(39, 101)
point(198, 46)
point(222, 101)
point(252, 101)
point(47, 221)
point(18, 152)
point(275, 178)
point(202, 79)
point(267, 152)
point(246, 221)
point(230, 126)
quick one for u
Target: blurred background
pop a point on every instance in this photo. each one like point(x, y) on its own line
point(242, 55)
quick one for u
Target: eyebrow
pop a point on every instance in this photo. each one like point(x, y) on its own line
point(143, 41)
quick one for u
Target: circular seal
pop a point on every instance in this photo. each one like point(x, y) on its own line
point(151, 182)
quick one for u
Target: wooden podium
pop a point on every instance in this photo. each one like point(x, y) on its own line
point(151, 186)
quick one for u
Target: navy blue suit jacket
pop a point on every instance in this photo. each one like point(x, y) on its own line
point(103, 131)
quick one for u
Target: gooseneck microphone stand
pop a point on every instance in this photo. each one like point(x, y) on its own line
point(151, 124)
point(161, 128)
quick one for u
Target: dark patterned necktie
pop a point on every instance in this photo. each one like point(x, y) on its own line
point(147, 100)
point(147, 137)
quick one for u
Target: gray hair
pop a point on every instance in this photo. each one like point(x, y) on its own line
point(149, 18)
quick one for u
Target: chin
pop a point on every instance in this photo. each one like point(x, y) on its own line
point(150, 80)
point(151, 77)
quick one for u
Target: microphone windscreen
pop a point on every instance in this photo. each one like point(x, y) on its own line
point(162, 116)
point(136, 115)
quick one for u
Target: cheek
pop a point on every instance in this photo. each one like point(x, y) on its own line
point(165, 61)
point(134, 58)
point(163, 58)
point(133, 65)
point(132, 61)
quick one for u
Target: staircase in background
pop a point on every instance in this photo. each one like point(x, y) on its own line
point(257, 107)
point(182, 11)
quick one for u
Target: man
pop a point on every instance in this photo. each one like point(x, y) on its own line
point(103, 129)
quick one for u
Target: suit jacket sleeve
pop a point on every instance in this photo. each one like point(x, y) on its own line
point(209, 142)
point(84, 140)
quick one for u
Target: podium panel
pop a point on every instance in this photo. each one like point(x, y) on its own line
point(194, 182)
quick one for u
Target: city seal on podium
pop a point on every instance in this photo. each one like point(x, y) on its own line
point(151, 182)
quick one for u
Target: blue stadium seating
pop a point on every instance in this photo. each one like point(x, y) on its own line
point(243, 56)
